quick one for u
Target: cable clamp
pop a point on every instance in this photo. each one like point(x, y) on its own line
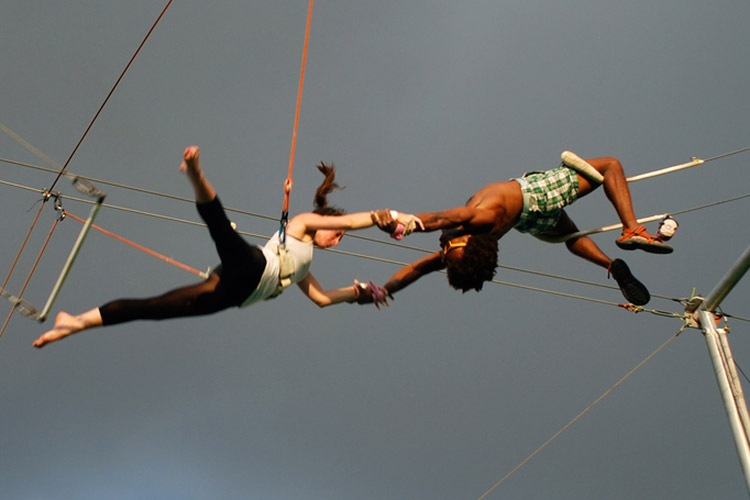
point(631, 307)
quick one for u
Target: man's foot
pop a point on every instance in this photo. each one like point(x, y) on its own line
point(65, 324)
point(638, 238)
point(631, 288)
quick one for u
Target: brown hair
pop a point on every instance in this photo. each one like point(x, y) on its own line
point(320, 202)
point(477, 264)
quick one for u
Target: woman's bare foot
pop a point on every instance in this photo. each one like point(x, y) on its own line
point(191, 165)
point(67, 324)
point(191, 161)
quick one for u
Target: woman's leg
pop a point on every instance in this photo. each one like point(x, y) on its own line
point(67, 324)
point(191, 165)
point(202, 298)
point(241, 270)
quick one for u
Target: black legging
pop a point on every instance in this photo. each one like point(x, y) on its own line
point(228, 285)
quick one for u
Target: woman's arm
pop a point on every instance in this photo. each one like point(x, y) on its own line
point(306, 222)
point(323, 298)
point(312, 222)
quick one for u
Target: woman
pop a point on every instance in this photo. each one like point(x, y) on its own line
point(247, 273)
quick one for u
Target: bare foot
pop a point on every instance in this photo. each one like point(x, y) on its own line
point(65, 324)
point(191, 165)
point(191, 161)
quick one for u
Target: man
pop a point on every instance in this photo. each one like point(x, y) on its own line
point(532, 204)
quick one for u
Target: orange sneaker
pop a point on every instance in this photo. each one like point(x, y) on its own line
point(638, 238)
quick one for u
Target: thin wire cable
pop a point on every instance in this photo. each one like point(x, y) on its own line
point(128, 187)
point(355, 236)
point(395, 262)
point(580, 415)
point(41, 155)
point(112, 91)
point(72, 154)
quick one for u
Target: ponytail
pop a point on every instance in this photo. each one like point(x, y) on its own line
point(320, 202)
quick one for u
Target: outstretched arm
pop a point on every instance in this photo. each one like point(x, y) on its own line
point(305, 222)
point(472, 219)
point(412, 272)
point(323, 298)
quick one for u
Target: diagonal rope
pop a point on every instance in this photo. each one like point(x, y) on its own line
point(106, 99)
point(142, 248)
point(580, 415)
point(67, 162)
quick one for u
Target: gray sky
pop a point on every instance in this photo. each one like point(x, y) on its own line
point(419, 103)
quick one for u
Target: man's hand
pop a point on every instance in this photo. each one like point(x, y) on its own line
point(394, 223)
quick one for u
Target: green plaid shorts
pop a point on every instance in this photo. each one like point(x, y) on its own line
point(544, 196)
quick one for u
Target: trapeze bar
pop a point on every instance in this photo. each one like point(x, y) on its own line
point(647, 175)
point(87, 188)
point(566, 237)
point(581, 166)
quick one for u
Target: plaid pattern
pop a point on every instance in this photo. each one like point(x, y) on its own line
point(544, 196)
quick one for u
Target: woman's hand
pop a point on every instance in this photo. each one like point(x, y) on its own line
point(395, 223)
point(370, 293)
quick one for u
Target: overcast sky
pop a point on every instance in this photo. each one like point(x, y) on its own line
point(419, 104)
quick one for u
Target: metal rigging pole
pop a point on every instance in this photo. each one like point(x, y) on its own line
point(723, 362)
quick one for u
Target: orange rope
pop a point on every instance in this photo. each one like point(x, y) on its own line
point(141, 247)
point(288, 183)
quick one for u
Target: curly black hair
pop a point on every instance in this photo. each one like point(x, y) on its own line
point(477, 264)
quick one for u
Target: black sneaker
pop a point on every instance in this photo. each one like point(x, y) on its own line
point(631, 288)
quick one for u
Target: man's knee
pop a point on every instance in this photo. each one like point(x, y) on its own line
point(610, 164)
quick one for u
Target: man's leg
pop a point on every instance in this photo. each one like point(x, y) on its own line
point(617, 191)
point(584, 247)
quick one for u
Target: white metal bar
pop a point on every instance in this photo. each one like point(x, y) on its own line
point(734, 380)
point(723, 287)
point(730, 387)
point(725, 389)
point(577, 234)
point(71, 259)
point(647, 175)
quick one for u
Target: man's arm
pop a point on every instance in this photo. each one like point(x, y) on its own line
point(412, 272)
point(472, 219)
